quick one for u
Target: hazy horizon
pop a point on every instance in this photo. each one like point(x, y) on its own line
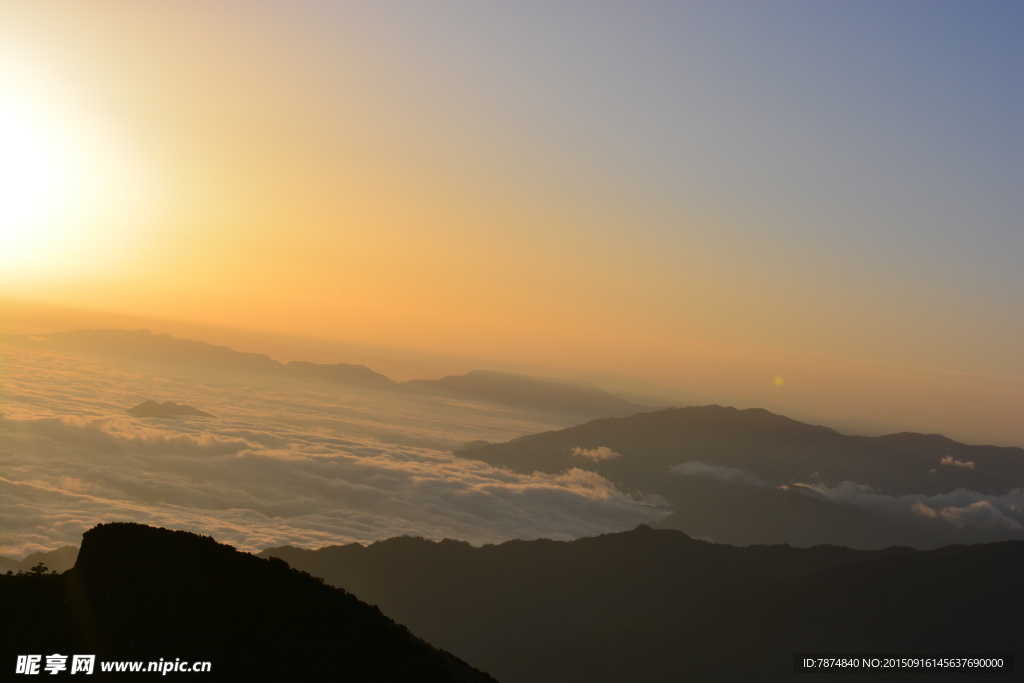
point(969, 408)
point(270, 456)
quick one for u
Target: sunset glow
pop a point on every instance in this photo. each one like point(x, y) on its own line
point(68, 190)
point(593, 205)
point(37, 182)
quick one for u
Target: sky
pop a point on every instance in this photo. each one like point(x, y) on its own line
point(811, 207)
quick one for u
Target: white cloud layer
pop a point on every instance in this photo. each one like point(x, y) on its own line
point(950, 460)
point(960, 508)
point(600, 453)
point(305, 464)
point(736, 475)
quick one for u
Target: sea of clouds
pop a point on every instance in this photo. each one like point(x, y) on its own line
point(283, 462)
point(959, 509)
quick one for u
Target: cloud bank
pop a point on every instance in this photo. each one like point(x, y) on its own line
point(292, 464)
point(736, 475)
point(950, 460)
point(961, 509)
point(597, 454)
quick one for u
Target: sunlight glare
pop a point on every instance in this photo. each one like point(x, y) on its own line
point(68, 191)
point(34, 177)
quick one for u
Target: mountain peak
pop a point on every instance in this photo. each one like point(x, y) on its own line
point(151, 408)
point(196, 599)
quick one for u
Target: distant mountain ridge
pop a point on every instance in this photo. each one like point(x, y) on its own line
point(770, 445)
point(146, 346)
point(166, 409)
point(522, 391)
point(145, 594)
point(517, 391)
point(750, 476)
point(342, 373)
point(59, 560)
point(657, 605)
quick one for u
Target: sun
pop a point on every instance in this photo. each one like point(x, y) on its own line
point(35, 178)
point(70, 192)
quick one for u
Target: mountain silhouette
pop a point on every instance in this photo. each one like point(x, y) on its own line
point(166, 409)
point(341, 373)
point(146, 346)
point(58, 560)
point(532, 393)
point(657, 605)
point(537, 394)
point(749, 476)
point(141, 593)
point(143, 345)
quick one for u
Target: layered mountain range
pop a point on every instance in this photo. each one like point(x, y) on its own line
point(647, 604)
point(58, 560)
point(656, 605)
point(750, 476)
point(538, 394)
point(732, 476)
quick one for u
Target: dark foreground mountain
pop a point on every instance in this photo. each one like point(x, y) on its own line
point(166, 409)
point(656, 605)
point(750, 476)
point(145, 594)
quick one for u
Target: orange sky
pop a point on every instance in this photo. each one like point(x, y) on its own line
point(684, 202)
